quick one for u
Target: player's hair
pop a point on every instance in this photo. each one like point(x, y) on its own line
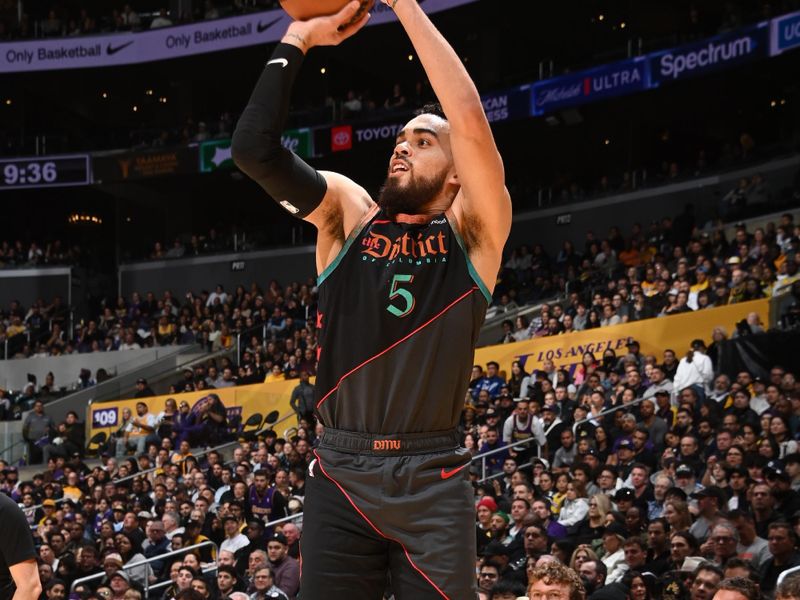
point(554, 572)
point(431, 108)
point(743, 586)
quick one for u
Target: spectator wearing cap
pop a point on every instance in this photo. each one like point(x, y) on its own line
point(286, 568)
point(787, 501)
point(193, 536)
point(498, 553)
point(120, 583)
point(614, 558)
point(624, 499)
point(142, 389)
point(156, 545)
point(709, 502)
point(484, 510)
point(553, 427)
point(625, 458)
point(258, 543)
point(234, 538)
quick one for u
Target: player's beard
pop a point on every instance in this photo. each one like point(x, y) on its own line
point(395, 197)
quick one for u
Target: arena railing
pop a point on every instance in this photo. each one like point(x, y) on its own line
point(526, 442)
point(786, 574)
point(147, 586)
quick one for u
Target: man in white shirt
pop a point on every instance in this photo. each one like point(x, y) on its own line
point(143, 424)
point(219, 292)
point(234, 538)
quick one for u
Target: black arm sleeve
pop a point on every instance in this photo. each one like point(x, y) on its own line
point(257, 148)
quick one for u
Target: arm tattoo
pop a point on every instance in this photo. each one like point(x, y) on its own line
point(299, 38)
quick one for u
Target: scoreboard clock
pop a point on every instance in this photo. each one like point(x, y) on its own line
point(45, 171)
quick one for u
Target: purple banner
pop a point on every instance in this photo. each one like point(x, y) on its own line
point(166, 43)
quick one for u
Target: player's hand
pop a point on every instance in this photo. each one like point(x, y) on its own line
point(330, 30)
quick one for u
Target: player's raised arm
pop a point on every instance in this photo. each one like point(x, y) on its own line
point(331, 202)
point(478, 164)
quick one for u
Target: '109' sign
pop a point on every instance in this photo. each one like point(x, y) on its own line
point(104, 417)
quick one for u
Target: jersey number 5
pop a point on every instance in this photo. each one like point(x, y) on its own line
point(404, 296)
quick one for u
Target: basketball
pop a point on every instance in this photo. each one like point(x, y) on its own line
point(303, 10)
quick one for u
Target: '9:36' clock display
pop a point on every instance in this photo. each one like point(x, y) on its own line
point(45, 171)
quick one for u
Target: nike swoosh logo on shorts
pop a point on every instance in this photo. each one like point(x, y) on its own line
point(448, 474)
point(279, 61)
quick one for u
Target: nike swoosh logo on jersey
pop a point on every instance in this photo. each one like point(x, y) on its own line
point(448, 474)
point(279, 61)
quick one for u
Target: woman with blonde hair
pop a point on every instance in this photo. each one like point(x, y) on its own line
point(592, 527)
point(582, 554)
point(676, 512)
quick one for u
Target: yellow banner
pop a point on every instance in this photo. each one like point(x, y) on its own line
point(243, 401)
point(654, 336)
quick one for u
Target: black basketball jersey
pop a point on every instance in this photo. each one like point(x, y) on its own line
point(400, 309)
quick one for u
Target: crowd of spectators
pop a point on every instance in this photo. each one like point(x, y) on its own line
point(17, 253)
point(692, 480)
point(670, 267)
point(63, 20)
point(278, 338)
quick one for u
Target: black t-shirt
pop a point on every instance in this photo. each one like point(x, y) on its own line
point(16, 543)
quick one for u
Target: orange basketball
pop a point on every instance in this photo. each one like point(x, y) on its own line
point(302, 10)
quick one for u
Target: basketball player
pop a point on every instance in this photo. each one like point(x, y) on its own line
point(404, 284)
